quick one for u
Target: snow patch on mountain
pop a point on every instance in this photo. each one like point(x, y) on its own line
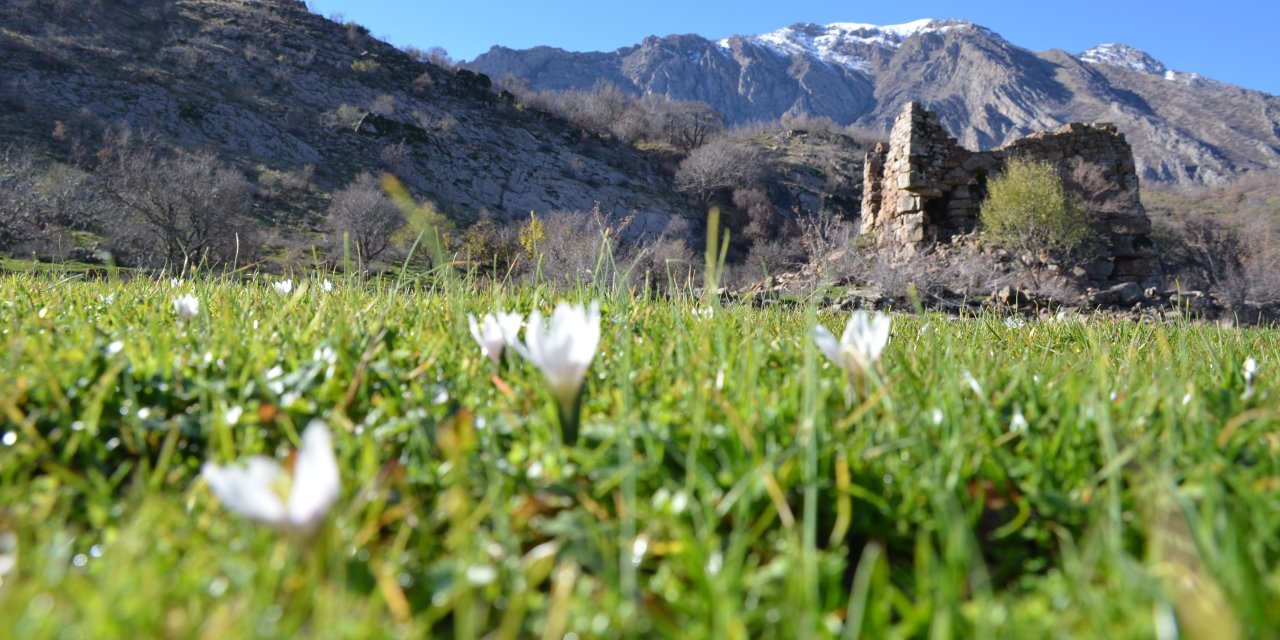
point(843, 43)
point(1125, 57)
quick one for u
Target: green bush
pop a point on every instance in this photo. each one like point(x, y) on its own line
point(1028, 211)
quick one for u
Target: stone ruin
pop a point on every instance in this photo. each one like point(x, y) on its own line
point(923, 187)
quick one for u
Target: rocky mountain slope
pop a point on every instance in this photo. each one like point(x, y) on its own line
point(1184, 128)
point(291, 98)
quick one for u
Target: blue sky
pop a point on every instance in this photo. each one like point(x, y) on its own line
point(1234, 41)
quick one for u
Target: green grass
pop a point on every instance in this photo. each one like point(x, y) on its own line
point(724, 486)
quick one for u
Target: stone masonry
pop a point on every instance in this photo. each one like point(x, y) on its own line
point(923, 187)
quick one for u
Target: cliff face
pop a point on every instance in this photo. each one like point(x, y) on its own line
point(273, 88)
point(987, 91)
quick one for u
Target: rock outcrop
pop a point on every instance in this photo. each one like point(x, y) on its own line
point(923, 187)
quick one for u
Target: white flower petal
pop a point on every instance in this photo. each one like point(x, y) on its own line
point(563, 348)
point(255, 490)
point(316, 484)
point(186, 306)
point(861, 344)
point(827, 343)
point(249, 490)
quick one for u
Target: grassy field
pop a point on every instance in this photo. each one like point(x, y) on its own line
point(1074, 479)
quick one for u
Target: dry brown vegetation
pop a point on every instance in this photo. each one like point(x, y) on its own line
point(1222, 239)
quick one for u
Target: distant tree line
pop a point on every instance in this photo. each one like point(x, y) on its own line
point(607, 110)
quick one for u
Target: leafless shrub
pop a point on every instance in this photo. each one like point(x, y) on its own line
point(357, 34)
point(662, 263)
point(767, 257)
point(422, 118)
point(1249, 207)
point(607, 109)
point(1237, 258)
point(823, 233)
point(383, 105)
point(394, 157)
point(446, 123)
point(720, 165)
point(424, 81)
point(345, 116)
point(299, 179)
point(362, 213)
point(254, 53)
point(41, 200)
point(596, 110)
point(579, 245)
point(186, 57)
point(1205, 252)
point(762, 217)
point(809, 122)
point(414, 53)
point(273, 184)
point(439, 57)
point(176, 209)
point(688, 124)
point(1261, 261)
point(18, 218)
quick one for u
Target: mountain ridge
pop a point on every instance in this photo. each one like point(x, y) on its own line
point(1185, 128)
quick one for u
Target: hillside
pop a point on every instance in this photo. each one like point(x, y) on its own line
point(301, 105)
point(1185, 129)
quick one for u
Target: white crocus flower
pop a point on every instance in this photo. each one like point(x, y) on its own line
point(263, 491)
point(327, 285)
point(1018, 422)
point(1250, 372)
point(186, 306)
point(1250, 369)
point(563, 350)
point(494, 332)
point(860, 345)
point(283, 287)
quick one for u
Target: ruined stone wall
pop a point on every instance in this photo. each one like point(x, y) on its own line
point(904, 180)
point(923, 187)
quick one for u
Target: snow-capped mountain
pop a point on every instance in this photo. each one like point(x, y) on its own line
point(842, 42)
point(1184, 128)
point(1125, 57)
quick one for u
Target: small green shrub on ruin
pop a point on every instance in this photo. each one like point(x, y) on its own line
point(1028, 211)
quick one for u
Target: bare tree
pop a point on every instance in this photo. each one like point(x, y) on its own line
point(1207, 251)
point(687, 124)
point(383, 105)
point(720, 165)
point(17, 215)
point(40, 199)
point(178, 209)
point(362, 212)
